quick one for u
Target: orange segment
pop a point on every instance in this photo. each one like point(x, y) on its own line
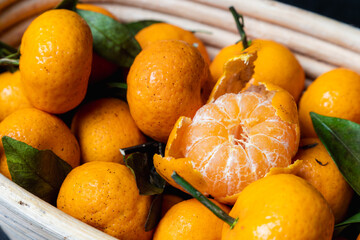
point(236, 139)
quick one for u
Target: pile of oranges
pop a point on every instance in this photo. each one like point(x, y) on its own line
point(236, 127)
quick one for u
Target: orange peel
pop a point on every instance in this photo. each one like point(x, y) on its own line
point(236, 138)
point(237, 73)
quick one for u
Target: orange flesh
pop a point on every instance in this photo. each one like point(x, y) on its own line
point(237, 139)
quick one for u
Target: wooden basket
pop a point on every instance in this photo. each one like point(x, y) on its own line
point(319, 43)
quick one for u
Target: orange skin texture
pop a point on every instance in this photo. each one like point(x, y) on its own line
point(104, 126)
point(101, 68)
point(281, 206)
point(55, 62)
point(165, 31)
point(316, 166)
point(105, 196)
point(40, 130)
point(12, 97)
point(334, 94)
point(169, 201)
point(190, 220)
point(275, 64)
point(326, 179)
point(229, 143)
point(165, 82)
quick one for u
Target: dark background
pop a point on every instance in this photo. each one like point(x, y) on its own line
point(347, 11)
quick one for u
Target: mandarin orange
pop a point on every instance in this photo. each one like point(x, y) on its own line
point(55, 62)
point(102, 127)
point(334, 94)
point(235, 140)
point(190, 220)
point(315, 165)
point(40, 130)
point(281, 206)
point(166, 31)
point(105, 196)
point(167, 80)
point(12, 97)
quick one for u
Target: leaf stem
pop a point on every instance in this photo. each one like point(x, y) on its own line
point(117, 85)
point(67, 4)
point(7, 47)
point(9, 62)
point(239, 20)
point(204, 200)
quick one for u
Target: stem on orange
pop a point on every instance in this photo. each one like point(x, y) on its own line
point(239, 20)
point(67, 4)
point(204, 200)
point(9, 62)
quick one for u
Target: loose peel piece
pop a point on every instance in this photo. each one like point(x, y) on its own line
point(236, 139)
point(237, 73)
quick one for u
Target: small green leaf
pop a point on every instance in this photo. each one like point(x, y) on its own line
point(67, 4)
point(117, 85)
point(154, 214)
point(353, 219)
point(342, 140)
point(135, 27)
point(6, 50)
point(9, 57)
point(151, 148)
point(111, 39)
point(139, 164)
point(140, 160)
point(41, 172)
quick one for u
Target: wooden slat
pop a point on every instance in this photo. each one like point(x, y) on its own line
point(218, 38)
point(296, 19)
point(13, 35)
point(5, 3)
point(304, 44)
point(21, 10)
point(34, 218)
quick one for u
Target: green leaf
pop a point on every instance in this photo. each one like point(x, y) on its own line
point(140, 160)
point(147, 183)
point(117, 85)
point(6, 50)
point(67, 4)
point(154, 214)
point(9, 57)
point(342, 140)
point(112, 40)
point(353, 219)
point(41, 172)
point(135, 27)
